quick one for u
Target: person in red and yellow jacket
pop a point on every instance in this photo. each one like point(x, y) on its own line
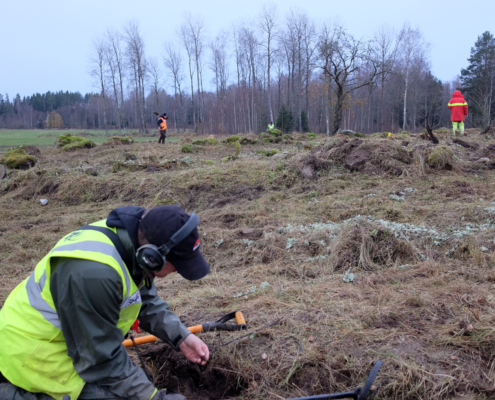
point(458, 111)
point(162, 127)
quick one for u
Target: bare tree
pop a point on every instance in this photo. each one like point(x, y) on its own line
point(189, 46)
point(98, 72)
point(195, 31)
point(412, 48)
point(173, 63)
point(267, 24)
point(137, 63)
point(219, 66)
point(343, 57)
point(114, 59)
point(386, 47)
point(155, 74)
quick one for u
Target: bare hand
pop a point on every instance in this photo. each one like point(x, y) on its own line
point(195, 350)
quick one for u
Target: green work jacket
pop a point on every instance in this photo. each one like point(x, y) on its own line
point(36, 358)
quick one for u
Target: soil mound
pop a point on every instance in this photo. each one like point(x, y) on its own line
point(372, 158)
point(178, 375)
point(366, 247)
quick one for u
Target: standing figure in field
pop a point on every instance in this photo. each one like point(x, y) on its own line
point(162, 127)
point(270, 126)
point(458, 111)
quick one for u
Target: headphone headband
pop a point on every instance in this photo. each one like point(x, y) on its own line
point(180, 235)
point(151, 257)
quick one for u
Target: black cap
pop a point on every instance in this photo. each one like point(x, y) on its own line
point(160, 224)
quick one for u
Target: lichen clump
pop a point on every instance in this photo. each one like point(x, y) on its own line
point(18, 159)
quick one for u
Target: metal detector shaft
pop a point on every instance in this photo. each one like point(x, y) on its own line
point(356, 394)
point(344, 395)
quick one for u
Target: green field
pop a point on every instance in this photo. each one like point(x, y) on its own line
point(42, 137)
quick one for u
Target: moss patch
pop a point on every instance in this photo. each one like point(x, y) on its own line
point(204, 142)
point(187, 148)
point(269, 153)
point(82, 144)
point(64, 140)
point(232, 139)
point(275, 136)
point(441, 158)
point(18, 159)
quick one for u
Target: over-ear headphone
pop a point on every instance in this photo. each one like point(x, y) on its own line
point(153, 258)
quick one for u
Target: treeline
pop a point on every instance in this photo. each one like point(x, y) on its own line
point(287, 69)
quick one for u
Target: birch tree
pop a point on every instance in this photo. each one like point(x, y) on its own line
point(412, 47)
point(173, 63)
point(98, 72)
point(267, 24)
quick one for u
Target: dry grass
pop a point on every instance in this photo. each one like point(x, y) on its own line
point(429, 316)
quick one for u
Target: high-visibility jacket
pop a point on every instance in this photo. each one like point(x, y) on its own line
point(162, 124)
point(271, 126)
point(33, 354)
point(458, 107)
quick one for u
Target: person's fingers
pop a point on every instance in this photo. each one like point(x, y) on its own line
point(206, 351)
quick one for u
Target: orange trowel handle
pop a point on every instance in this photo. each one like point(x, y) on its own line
point(151, 338)
point(239, 318)
point(208, 326)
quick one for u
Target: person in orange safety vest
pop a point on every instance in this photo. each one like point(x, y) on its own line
point(162, 127)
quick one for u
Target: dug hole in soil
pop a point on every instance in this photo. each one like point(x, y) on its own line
point(172, 371)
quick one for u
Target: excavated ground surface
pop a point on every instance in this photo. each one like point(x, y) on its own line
point(420, 244)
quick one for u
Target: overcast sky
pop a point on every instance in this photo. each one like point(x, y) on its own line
point(44, 44)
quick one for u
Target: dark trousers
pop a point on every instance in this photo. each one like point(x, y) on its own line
point(163, 135)
point(91, 391)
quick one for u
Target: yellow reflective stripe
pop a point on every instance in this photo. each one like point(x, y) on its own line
point(34, 290)
point(458, 104)
point(154, 392)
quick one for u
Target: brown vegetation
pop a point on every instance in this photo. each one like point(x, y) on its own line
point(417, 235)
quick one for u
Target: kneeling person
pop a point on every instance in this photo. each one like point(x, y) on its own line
point(65, 324)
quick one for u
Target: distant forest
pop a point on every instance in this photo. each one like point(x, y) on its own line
point(286, 69)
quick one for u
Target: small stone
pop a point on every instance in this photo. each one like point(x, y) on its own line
point(279, 156)
point(311, 339)
point(308, 172)
point(251, 233)
point(186, 160)
point(264, 356)
point(43, 202)
point(470, 327)
point(90, 171)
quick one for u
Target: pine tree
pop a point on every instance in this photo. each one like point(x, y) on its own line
point(304, 121)
point(478, 79)
point(285, 120)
